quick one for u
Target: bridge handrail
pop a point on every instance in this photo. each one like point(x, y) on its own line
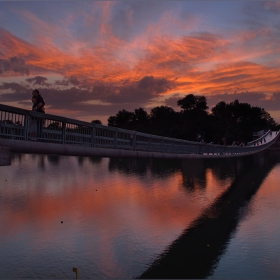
point(83, 123)
point(15, 124)
point(251, 143)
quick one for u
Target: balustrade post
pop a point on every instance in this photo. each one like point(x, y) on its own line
point(64, 132)
point(149, 143)
point(93, 135)
point(116, 139)
point(134, 142)
point(26, 123)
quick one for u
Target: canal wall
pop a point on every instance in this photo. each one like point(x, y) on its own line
point(34, 147)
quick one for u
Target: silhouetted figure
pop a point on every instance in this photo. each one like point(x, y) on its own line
point(40, 107)
point(32, 125)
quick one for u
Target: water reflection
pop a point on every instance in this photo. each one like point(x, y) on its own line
point(53, 159)
point(95, 160)
point(197, 251)
point(118, 214)
point(162, 168)
point(42, 161)
point(195, 171)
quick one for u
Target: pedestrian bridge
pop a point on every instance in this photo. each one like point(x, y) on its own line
point(65, 136)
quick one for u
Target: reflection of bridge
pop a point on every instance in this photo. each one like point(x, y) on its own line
point(197, 251)
point(66, 136)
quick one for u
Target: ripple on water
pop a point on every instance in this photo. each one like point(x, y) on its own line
point(118, 216)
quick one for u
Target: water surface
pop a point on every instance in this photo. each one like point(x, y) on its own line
point(113, 218)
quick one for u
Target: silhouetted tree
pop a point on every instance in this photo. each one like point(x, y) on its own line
point(193, 116)
point(123, 119)
point(164, 121)
point(140, 116)
point(240, 120)
point(141, 121)
point(234, 120)
point(193, 102)
point(96, 121)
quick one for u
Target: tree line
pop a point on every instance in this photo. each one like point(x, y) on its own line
point(234, 121)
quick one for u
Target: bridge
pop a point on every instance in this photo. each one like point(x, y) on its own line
point(65, 136)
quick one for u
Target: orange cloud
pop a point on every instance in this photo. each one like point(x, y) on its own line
point(181, 58)
point(200, 63)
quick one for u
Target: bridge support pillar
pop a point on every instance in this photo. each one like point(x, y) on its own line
point(5, 156)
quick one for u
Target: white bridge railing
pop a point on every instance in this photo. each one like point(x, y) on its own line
point(15, 123)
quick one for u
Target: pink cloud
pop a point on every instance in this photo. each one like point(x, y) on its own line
point(133, 70)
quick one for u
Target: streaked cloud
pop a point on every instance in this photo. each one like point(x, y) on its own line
point(126, 55)
point(38, 80)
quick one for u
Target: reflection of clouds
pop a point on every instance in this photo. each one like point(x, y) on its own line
point(106, 205)
point(62, 186)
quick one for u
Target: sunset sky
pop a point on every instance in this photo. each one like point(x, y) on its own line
point(90, 59)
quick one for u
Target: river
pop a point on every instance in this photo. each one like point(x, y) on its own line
point(137, 218)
